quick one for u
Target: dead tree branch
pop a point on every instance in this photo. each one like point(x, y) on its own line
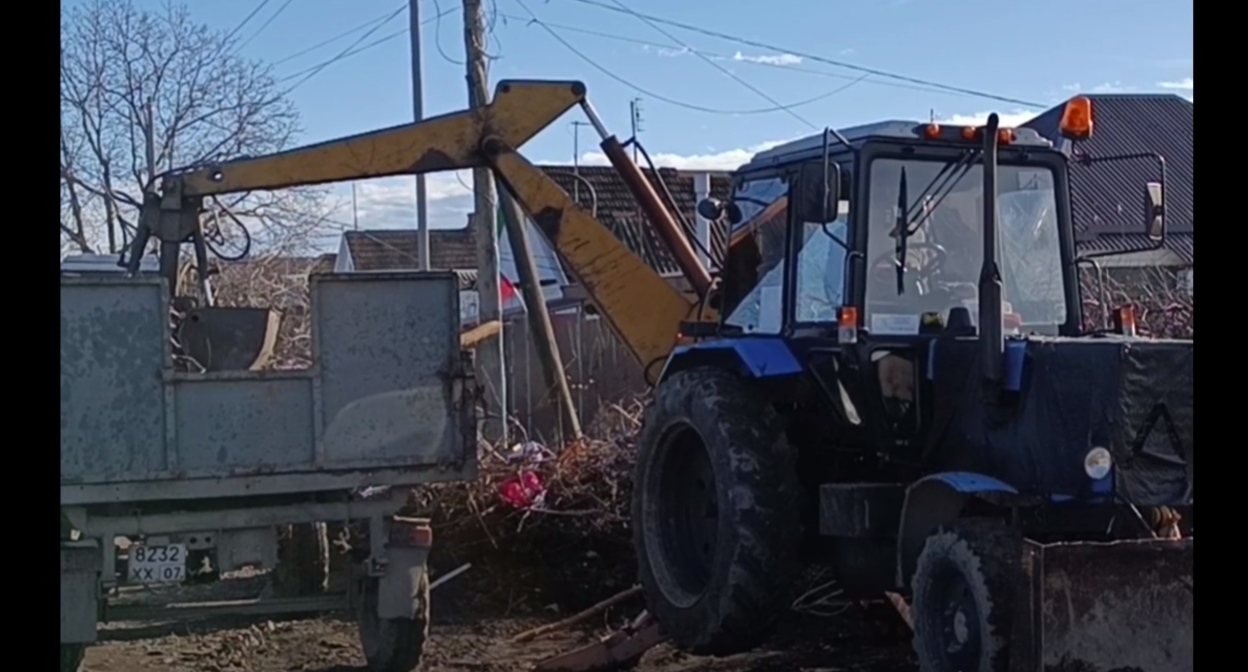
point(146, 91)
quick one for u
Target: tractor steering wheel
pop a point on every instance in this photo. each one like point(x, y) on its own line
point(885, 266)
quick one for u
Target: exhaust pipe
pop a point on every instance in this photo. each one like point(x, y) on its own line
point(991, 335)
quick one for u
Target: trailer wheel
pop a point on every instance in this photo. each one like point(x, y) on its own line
point(962, 595)
point(71, 657)
point(715, 512)
point(302, 561)
point(393, 644)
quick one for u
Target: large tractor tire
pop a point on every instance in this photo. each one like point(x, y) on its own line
point(715, 513)
point(302, 561)
point(962, 592)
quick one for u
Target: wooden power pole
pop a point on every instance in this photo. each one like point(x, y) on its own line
point(489, 355)
point(539, 317)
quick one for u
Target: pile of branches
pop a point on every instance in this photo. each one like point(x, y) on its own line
point(568, 546)
point(583, 487)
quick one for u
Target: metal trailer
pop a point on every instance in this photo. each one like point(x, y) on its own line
point(214, 462)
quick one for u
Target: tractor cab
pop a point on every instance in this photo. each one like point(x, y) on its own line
point(867, 251)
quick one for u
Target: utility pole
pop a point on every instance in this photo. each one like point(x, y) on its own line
point(485, 230)
point(355, 209)
point(418, 107)
point(539, 317)
point(634, 114)
point(576, 157)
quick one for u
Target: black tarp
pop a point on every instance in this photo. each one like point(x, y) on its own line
point(1132, 396)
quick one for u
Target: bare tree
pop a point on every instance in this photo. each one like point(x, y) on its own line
point(1163, 307)
point(147, 91)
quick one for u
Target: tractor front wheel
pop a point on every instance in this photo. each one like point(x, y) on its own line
point(715, 512)
point(962, 593)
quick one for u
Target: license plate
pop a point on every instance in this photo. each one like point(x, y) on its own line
point(157, 564)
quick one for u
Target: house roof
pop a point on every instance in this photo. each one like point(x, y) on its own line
point(599, 189)
point(1107, 197)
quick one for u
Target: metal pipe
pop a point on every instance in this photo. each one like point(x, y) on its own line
point(991, 332)
point(664, 223)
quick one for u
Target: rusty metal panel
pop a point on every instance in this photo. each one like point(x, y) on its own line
point(255, 424)
point(387, 347)
point(113, 348)
point(1109, 606)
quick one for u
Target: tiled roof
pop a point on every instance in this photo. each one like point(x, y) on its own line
point(598, 189)
point(389, 249)
point(1108, 198)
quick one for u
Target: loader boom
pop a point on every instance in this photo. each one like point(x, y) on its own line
point(642, 308)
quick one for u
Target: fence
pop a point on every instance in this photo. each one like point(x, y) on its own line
point(599, 370)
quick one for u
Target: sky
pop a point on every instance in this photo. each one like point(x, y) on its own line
point(777, 70)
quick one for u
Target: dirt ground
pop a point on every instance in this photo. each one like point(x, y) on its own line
point(330, 644)
point(466, 639)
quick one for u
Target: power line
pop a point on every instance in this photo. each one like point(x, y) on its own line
point(717, 66)
point(315, 70)
point(333, 39)
point(265, 24)
point(712, 54)
point(814, 57)
point(651, 94)
point(242, 23)
point(353, 49)
point(437, 34)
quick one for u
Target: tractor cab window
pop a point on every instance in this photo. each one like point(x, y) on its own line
point(936, 267)
point(755, 273)
point(758, 261)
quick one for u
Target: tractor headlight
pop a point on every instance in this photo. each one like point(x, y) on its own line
point(1097, 463)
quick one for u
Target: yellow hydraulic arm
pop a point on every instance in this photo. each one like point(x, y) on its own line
point(641, 306)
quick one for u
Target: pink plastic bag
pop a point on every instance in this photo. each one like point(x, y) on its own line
point(521, 491)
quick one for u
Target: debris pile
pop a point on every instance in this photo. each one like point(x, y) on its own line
point(545, 527)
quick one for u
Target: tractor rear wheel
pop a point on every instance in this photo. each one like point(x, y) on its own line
point(715, 512)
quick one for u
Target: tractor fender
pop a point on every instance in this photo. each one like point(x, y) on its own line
point(938, 499)
point(749, 357)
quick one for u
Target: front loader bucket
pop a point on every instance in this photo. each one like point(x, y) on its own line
point(1108, 607)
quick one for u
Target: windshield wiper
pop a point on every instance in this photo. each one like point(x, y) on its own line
point(903, 231)
point(940, 187)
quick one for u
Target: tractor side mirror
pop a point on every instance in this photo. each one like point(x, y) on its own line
point(713, 208)
point(819, 192)
point(1154, 213)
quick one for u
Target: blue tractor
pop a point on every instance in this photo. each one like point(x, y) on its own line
point(901, 385)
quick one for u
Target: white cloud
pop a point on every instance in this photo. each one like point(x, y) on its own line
point(1185, 84)
point(1104, 87)
point(725, 160)
point(846, 51)
point(390, 203)
point(769, 59)
point(1008, 119)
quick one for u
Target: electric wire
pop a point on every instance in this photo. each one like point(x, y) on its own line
point(264, 25)
point(354, 48)
point(651, 94)
point(230, 35)
point(437, 34)
point(315, 70)
point(711, 54)
point(762, 94)
point(815, 57)
point(331, 40)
